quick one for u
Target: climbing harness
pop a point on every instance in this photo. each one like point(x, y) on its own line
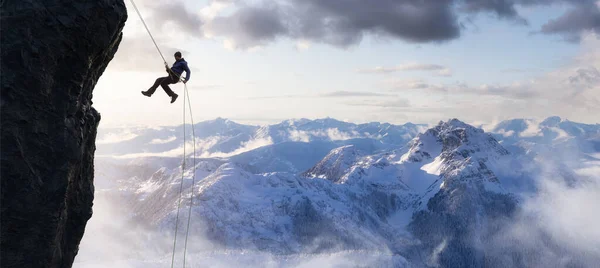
point(186, 95)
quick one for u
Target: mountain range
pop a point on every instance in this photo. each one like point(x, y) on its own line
point(445, 195)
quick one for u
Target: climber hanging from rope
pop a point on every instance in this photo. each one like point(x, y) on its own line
point(174, 77)
point(174, 72)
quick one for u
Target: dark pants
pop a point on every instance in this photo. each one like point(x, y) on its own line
point(164, 83)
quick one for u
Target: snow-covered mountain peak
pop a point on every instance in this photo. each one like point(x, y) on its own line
point(337, 163)
point(422, 148)
point(468, 154)
point(457, 152)
point(552, 121)
point(456, 124)
point(453, 137)
point(456, 136)
point(221, 125)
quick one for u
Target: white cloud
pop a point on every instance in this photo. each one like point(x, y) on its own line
point(353, 94)
point(244, 147)
point(391, 103)
point(299, 135)
point(533, 129)
point(215, 8)
point(116, 137)
point(335, 134)
point(444, 72)
point(163, 141)
point(561, 220)
point(568, 214)
point(570, 91)
point(302, 45)
point(437, 69)
point(200, 146)
point(332, 134)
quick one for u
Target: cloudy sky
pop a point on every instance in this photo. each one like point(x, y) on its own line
point(395, 61)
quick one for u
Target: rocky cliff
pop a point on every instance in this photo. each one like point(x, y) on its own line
point(53, 53)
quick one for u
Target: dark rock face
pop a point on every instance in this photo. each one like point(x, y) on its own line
point(53, 53)
point(460, 223)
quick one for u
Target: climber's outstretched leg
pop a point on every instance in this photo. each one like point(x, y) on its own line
point(164, 83)
point(157, 83)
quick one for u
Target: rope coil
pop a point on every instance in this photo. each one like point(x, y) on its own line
point(186, 95)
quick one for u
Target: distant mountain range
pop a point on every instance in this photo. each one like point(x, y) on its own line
point(441, 196)
point(222, 137)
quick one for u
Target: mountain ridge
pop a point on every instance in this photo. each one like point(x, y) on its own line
point(453, 184)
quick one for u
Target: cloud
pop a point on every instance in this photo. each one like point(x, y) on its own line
point(417, 85)
point(339, 23)
point(353, 94)
point(139, 54)
point(251, 26)
point(584, 17)
point(414, 84)
point(201, 145)
point(570, 91)
point(302, 45)
point(556, 226)
point(444, 72)
point(278, 97)
point(333, 94)
point(378, 70)
point(584, 80)
point(405, 67)
point(244, 24)
point(396, 103)
point(163, 141)
point(118, 137)
point(438, 70)
point(345, 23)
point(178, 14)
point(214, 8)
point(517, 70)
point(332, 134)
point(167, 17)
point(573, 85)
point(502, 8)
point(166, 21)
point(244, 147)
point(299, 135)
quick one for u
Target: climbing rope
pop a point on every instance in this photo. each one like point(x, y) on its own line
point(185, 96)
point(180, 189)
point(148, 30)
point(194, 175)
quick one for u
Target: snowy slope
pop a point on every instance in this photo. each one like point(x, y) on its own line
point(296, 157)
point(290, 157)
point(273, 212)
point(335, 164)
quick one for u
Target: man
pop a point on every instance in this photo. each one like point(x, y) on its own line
point(174, 72)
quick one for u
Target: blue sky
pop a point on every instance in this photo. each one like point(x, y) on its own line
point(497, 68)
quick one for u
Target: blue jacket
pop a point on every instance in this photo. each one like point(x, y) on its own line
point(179, 66)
